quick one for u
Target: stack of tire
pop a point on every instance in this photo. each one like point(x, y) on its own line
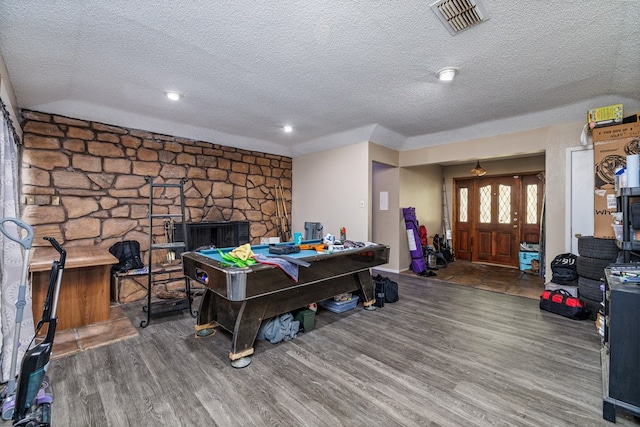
point(595, 254)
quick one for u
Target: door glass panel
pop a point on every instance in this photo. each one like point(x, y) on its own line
point(485, 204)
point(532, 204)
point(463, 205)
point(504, 204)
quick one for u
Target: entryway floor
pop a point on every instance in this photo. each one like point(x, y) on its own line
point(493, 278)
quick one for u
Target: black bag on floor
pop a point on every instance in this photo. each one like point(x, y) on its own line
point(564, 269)
point(128, 254)
point(379, 294)
point(386, 290)
point(561, 302)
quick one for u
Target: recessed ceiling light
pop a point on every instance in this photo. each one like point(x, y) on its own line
point(447, 74)
point(287, 128)
point(174, 96)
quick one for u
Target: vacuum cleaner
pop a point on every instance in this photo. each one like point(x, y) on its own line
point(29, 404)
point(8, 394)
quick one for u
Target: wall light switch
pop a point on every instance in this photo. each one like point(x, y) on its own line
point(30, 200)
point(55, 200)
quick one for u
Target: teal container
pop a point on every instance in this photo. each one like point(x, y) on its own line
point(526, 258)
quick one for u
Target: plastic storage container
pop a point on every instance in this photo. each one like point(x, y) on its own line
point(339, 306)
point(307, 319)
point(526, 258)
point(617, 229)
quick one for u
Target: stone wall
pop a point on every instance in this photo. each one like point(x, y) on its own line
point(84, 182)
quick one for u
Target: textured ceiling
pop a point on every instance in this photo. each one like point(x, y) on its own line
point(335, 69)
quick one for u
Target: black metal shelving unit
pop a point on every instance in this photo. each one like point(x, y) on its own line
point(153, 308)
point(627, 245)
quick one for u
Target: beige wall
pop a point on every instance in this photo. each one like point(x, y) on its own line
point(419, 177)
point(385, 176)
point(421, 188)
point(552, 141)
point(385, 223)
point(333, 187)
point(558, 139)
point(494, 147)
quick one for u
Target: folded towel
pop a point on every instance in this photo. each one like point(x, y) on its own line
point(289, 268)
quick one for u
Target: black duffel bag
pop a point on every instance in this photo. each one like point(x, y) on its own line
point(386, 290)
point(561, 302)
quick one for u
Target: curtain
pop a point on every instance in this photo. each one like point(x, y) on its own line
point(11, 253)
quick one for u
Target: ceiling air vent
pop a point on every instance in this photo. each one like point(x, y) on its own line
point(458, 15)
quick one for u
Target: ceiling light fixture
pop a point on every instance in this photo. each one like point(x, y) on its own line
point(447, 74)
point(287, 128)
point(478, 170)
point(174, 96)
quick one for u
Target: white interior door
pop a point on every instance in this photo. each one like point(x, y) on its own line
point(580, 207)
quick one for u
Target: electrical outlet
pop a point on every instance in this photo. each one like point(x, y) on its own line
point(30, 200)
point(55, 200)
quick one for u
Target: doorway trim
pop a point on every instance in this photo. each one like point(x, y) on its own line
point(521, 231)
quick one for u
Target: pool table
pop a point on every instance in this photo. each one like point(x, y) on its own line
point(239, 299)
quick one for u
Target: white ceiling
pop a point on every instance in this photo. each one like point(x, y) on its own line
point(339, 71)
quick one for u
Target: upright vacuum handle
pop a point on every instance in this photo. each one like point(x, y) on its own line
point(60, 249)
point(25, 242)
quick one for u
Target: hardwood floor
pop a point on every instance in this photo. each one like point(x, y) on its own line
point(444, 355)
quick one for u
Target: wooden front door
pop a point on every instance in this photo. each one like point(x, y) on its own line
point(463, 202)
point(496, 235)
point(492, 215)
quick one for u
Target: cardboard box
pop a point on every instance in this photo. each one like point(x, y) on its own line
point(609, 133)
point(604, 116)
point(611, 146)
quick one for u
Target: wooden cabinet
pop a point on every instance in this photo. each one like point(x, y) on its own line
point(621, 347)
point(84, 290)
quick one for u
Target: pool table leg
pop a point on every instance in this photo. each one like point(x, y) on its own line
point(241, 318)
point(245, 331)
point(207, 310)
